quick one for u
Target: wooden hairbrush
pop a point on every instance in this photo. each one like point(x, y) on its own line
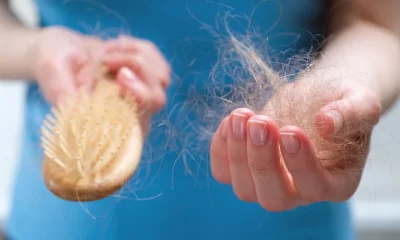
point(92, 143)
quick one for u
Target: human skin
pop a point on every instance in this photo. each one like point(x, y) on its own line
point(366, 38)
point(276, 163)
point(35, 55)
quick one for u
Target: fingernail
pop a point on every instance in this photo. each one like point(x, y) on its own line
point(337, 120)
point(238, 125)
point(290, 142)
point(224, 130)
point(258, 132)
point(128, 74)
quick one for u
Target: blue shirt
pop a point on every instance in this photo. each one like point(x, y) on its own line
point(173, 195)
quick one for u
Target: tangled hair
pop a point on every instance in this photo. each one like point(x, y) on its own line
point(291, 93)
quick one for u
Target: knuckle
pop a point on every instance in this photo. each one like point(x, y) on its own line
point(164, 79)
point(234, 159)
point(138, 63)
point(215, 171)
point(124, 37)
point(137, 59)
point(166, 82)
point(166, 76)
point(168, 70)
point(148, 45)
point(258, 166)
point(159, 101)
point(275, 206)
point(372, 107)
point(319, 195)
point(220, 175)
point(344, 195)
point(375, 109)
point(245, 196)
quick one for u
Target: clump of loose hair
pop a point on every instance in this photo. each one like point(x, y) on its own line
point(290, 93)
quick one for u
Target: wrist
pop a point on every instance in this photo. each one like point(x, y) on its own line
point(32, 51)
point(337, 82)
point(19, 53)
point(366, 56)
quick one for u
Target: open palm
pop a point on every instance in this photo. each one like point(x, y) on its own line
point(306, 146)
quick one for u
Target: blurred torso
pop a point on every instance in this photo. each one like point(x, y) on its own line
point(173, 196)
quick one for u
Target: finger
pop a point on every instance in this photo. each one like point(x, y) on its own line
point(126, 44)
point(219, 157)
point(144, 68)
point(354, 113)
point(141, 93)
point(130, 83)
point(122, 44)
point(85, 78)
point(116, 61)
point(159, 99)
point(242, 181)
point(135, 46)
point(274, 188)
point(313, 182)
point(131, 45)
point(84, 72)
point(96, 48)
point(78, 60)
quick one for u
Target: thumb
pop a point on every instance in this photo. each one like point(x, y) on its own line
point(58, 78)
point(354, 112)
point(57, 85)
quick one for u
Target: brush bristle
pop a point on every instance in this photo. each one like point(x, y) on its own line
point(84, 139)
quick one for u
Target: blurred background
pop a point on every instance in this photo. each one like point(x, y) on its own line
point(376, 204)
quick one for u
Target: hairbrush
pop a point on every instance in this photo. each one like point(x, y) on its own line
point(92, 143)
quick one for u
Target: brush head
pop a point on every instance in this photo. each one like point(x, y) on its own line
point(92, 143)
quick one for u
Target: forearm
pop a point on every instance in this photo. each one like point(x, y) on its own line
point(366, 51)
point(16, 46)
point(368, 55)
